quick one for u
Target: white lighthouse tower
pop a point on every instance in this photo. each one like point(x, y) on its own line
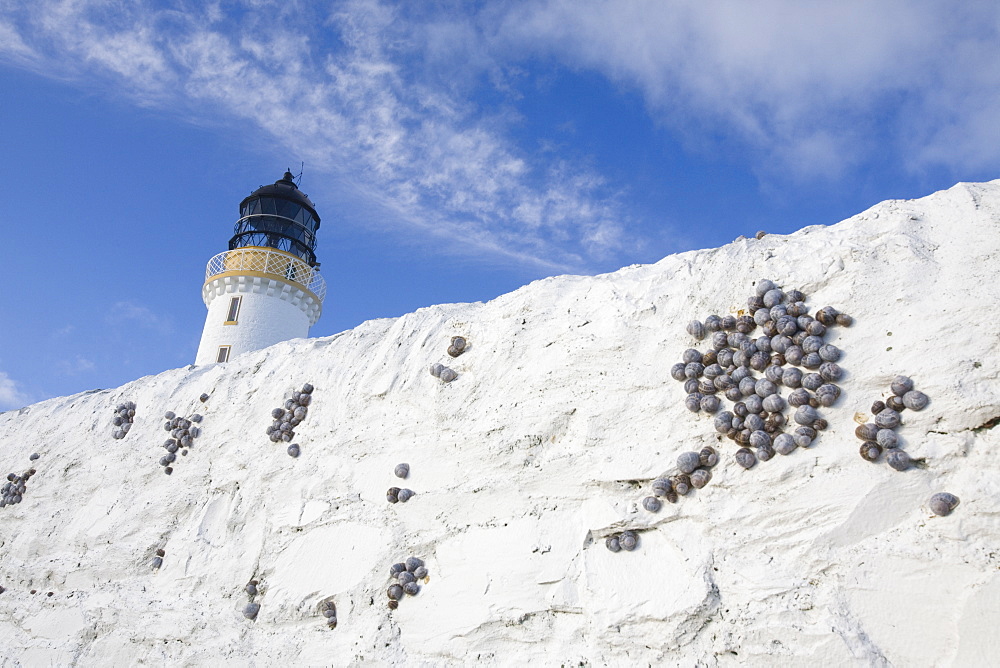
point(266, 288)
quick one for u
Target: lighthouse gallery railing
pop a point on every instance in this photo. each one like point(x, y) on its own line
point(271, 262)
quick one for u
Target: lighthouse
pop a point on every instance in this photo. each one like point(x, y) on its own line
point(267, 287)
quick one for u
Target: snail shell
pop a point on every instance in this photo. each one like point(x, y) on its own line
point(713, 323)
point(760, 439)
point(711, 371)
point(773, 297)
point(691, 370)
point(790, 377)
point(754, 422)
point(652, 504)
point(662, 487)
point(396, 569)
point(877, 407)
point(691, 355)
point(405, 495)
point(681, 484)
point(251, 610)
point(764, 388)
point(827, 315)
point(688, 461)
point(394, 592)
point(844, 320)
point(830, 353)
point(203, 398)
point(693, 401)
point(447, 375)
point(745, 458)
point(392, 495)
point(799, 397)
point(611, 542)
point(898, 459)
point(887, 438)
point(413, 563)
point(170, 415)
point(435, 370)
point(710, 403)
point(806, 415)
point(870, 451)
point(816, 328)
point(820, 424)
point(900, 385)
point(629, 540)
point(748, 386)
point(794, 355)
point(943, 503)
point(696, 329)
point(420, 572)
point(773, 403)
point(723, 422)
point(895, 403)
point(773, 422)
point(787, 326)
point(405, 577)
point(754, 404)
point(745, 324)
point(867, 431)
point(760, 315)
point(307, 389)
point(812, 361)
point(293, 450)
point(830, 371)
point(812, 381)
point(251, 589)
point(401, 470)
point(780, 343)
point(676, 372)
point(708, 457)
point(811, 344)
point(765, 454)
point(784, 444)
point(720, 341)
point(759, 361)
point(887, 419)
point(709, 357)
point(774, 373)
point(700, 477)
point(764, 286)
point(411, 588)
point(915, 400)
point(691, 385)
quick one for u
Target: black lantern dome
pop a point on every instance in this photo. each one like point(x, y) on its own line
point(278, 216)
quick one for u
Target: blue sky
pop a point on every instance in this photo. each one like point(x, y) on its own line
point(454, 150)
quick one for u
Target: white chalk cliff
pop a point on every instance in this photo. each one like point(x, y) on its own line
point(562, 413)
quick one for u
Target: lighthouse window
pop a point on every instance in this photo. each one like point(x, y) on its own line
point(234, 310)
point(223, 354)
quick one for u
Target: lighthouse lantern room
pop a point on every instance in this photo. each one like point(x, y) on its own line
point(267, 287)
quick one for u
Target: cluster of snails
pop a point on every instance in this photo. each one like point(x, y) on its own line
point(879, 436)
point(252, 608)
point(943, 503)
point(183, 431)
point(158, 559)
point(627, 540)
point(405, 575)
point(288, 417)
point(395, 494)
point(446, 374)
point(791, 338)
point(329, 611)
point(457, 347)
point(694, 470)
point(14, 489)
point(123, 419)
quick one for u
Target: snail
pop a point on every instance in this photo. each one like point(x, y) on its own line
point(898, 459)
point(745, 458)
point(251, 610)
point(870, 451)
point(628, 540)
point(915, 400)
point(900, 385)
point(611, 542)
point(887, 419)
point(696, 329)
point(688, 461)
point(708, 457)
point(652, 504)
point(943, 503)
point(401, 470)
point(700, 477)
point(784, 444)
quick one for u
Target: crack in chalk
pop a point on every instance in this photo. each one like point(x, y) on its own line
point(986, 426)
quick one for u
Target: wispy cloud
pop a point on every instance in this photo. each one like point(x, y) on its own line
point(357, 92)
point(76, 366)
point(812, 87)
point(11, 396)
point(133, 315)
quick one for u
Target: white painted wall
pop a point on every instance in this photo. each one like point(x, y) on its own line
point(271, 311)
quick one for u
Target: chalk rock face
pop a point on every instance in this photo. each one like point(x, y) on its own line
point(561, 416)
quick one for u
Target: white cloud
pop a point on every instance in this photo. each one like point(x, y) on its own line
point(362, 97)
point(11, 395)
point(811, 85)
